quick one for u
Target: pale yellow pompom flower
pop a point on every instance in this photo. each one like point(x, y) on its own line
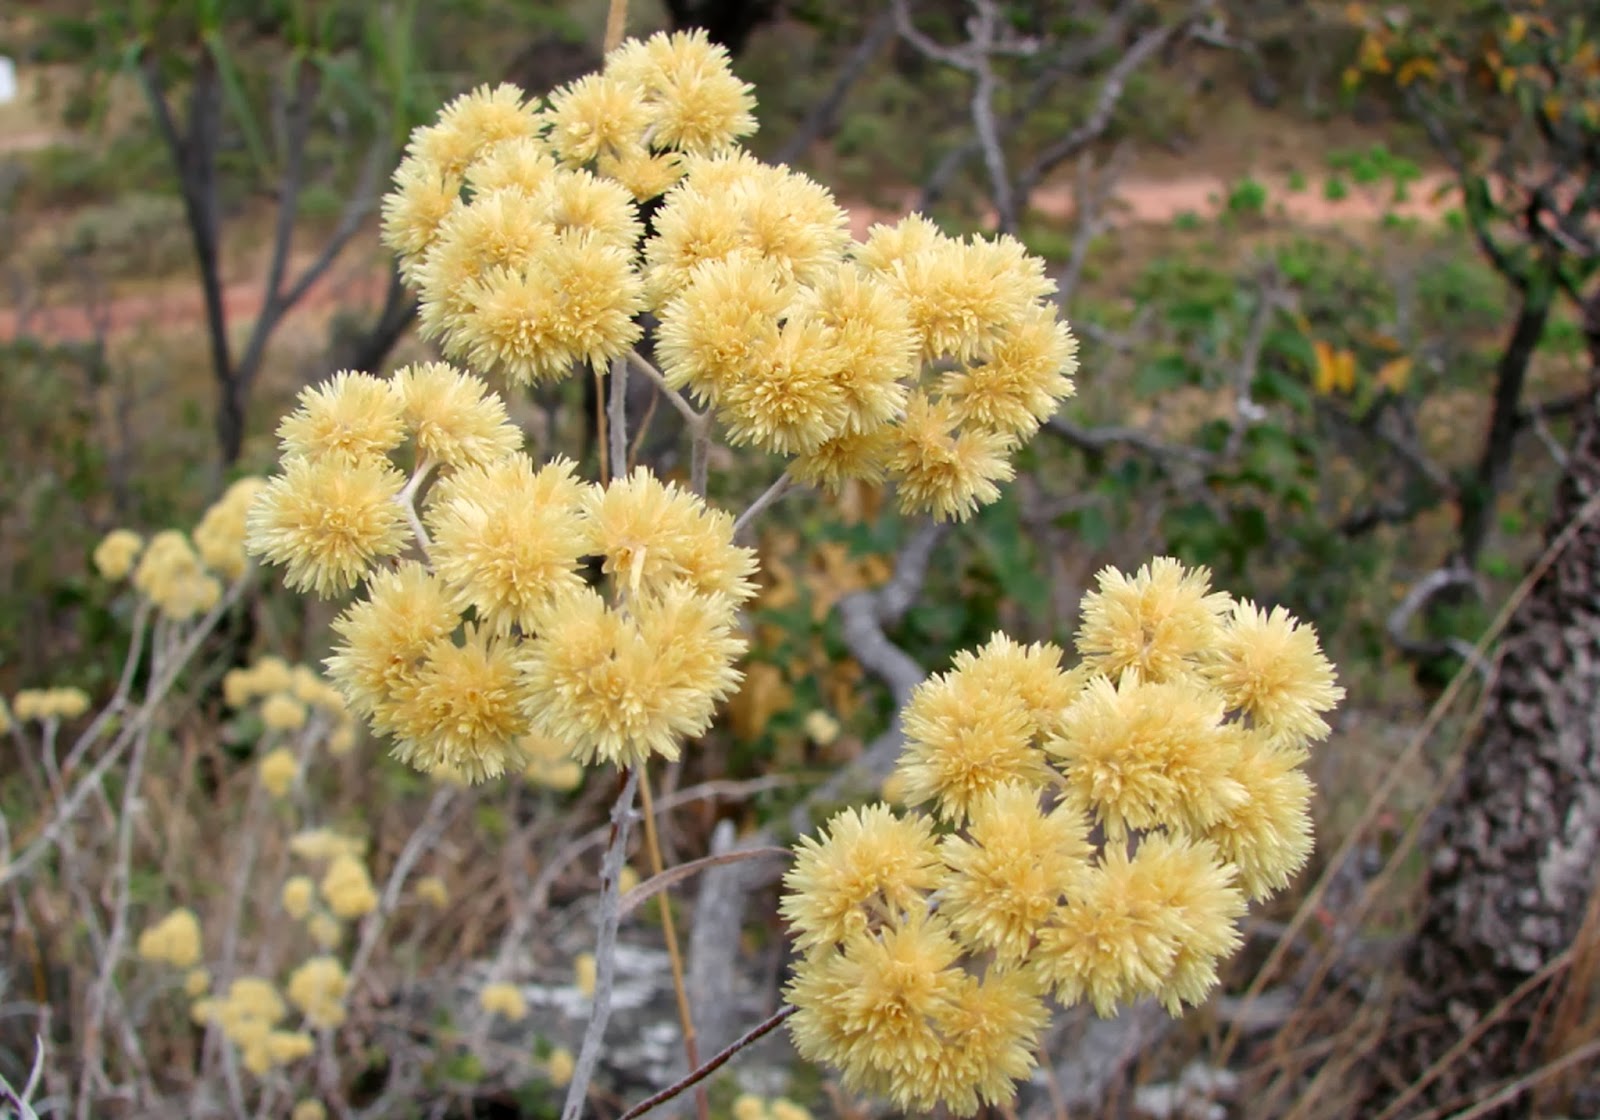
point(964, 740)
point(784, 1109)
point(1014, 868)
point(724, 320)
point(871, 1008)
point(559, 1067)
point(50, 703)
point(473, 122)
point(1143, 755)
point(385, 637)
point(693, 227)
point(282, 712)
point(351, 413)
point(964, 295)
point(170, 575)
point(454, 417)
point(1158, 621)
point(318, 844)
point(196, 982)
point(219, 537)
point(1030, 672)
point(1198, 890)
point(278, 770)
point(297, 895)
point(174, 940)
point(347, 889)
point(504, 1000)
point(463, 708)
point(620, 688)
point(523, 163)
point(790, 399)
point(597, 114)
point(325, 931)
point(423, 196)
point(589, 209)
point(327, 521)
point(272, 674)
point(694, 102)
point(116, 552)
point(308, 1110)
point(642, 173)
point(990, 1033)
point(875, 350)
point(841, 459)
point(1271, 668)
point(500, 229)
point(509, 538)
point(317, 990)
point(584, 973)
point(282, 1048)
point(651, 535)
point(942, 470)
point(748, 1106)
point(890, 244)
point(868, 862)
point(432, 891)
point(1019, 379)
point(1267, 833)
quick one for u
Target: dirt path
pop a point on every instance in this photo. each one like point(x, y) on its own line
point(1137, 202)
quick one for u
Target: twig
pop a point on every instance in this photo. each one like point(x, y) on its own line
point(617, 417)
point(662, 881)
point(716, 1063)
point(605, 949)
point(1423, 592)
point(768, 497)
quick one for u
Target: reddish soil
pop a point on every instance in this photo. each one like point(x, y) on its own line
point(1148, 202)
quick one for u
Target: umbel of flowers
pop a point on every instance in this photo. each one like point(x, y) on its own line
point(1092, 834)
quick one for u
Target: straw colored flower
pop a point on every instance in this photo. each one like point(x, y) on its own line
point(1271, 668)
point(278, 770)
point(351, 414)
point(504, 1000)
point(423, 196)
point(694, 102)
point(282, 712)
point(454, 417)
point(597, 114)
point(174, 940)
point(317, 990)
point(432, 891)
point(1158, 622)
point(347, 889)
point(219, 536)
point(942, 470)
point(328, 521)
point(867, 862)
point(1014, 869)
point(297, 896)
point(584, 973)
point(472, 123)
point(1019, 379)
point(559, 1067)
point(1266, 834)
point(116, 552)
point(463, 708)
point(386, 636)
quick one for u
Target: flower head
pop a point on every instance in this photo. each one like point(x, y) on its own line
point(116, 552)
point(350, 414)
point(1271, 668)
point(1158, 622)
point(692, 100)
point(317, 990)
point(463, 708)
point(328, 520)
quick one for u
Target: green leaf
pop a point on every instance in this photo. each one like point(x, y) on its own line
point(238, 103)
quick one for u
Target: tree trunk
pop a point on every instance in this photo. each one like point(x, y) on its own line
point(1514, 866)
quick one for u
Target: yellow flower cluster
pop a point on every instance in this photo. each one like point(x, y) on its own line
point(248, 1017)
point(178, 573)
point(504, 1000)
point(174, 940)
point(48, 703)
point(912, 356)
point(116, 552)
point(748, 1106)
point(1104, 829)
point(317, 990)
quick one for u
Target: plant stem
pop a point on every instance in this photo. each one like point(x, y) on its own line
point(691, 1045)
point(616, 24)
point(712, 1066)
point(605, 949)
point(768, 497)
point(618, 418)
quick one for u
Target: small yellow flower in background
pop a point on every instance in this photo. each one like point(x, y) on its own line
point(432, 891)
point(627, 879)
point(197, 982)
point(583, 970)
point(342, 740)
point(298, 894)
point(6, 722)
point(174, 940)
point(504, 1000)
point(347, 889)
point(282, 1048)
point(317, 989)
point(116, 552)
point(550, 764)
point(820, 727)
point(785, 1109)
point(318, 844)
point(328, 521)
point(247, 1017)
point(49, 703)
point(278, 769)
point(219, 536)
point(748, 1106)
point(171, 576)
point(282, 712)
point(559, 1067)
point(272, 674)
point(325, 930)
point(308, 1110)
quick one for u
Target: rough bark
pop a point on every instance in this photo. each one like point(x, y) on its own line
point(1514, 865)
